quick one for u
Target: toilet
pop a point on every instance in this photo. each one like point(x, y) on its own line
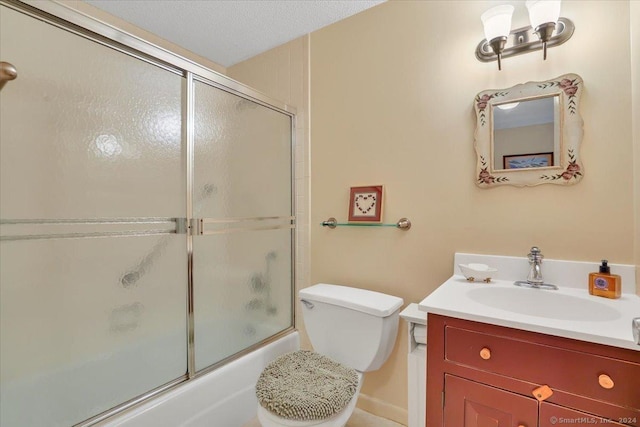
point(356, 328)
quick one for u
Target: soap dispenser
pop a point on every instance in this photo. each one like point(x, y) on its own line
point(605, 284)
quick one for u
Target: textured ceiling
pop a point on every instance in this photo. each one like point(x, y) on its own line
point(230, 31)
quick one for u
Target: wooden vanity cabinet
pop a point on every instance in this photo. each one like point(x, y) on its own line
point(485, 375)
point(472, 404)
point(551, 415)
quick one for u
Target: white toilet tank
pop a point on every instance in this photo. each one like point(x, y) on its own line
point(355, 327)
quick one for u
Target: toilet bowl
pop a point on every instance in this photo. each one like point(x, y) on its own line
point(356, 328)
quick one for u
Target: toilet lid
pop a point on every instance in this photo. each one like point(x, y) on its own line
point(304, 385)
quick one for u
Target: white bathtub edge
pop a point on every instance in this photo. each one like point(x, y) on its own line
point(198, 402)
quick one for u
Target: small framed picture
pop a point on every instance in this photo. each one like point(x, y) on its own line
point(365, 204)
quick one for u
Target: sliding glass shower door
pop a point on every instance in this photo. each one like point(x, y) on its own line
point(93, 278)
point(146, 224)
point(242, 257)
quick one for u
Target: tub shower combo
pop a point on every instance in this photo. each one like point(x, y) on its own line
point(147, 228)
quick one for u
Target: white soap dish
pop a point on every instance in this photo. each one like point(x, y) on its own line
point(477, 272)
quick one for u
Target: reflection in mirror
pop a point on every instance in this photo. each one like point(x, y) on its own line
point(526, 134)
point(530, 134)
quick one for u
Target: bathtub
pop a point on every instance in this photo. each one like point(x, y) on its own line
point(222, 398)
point(63, 395)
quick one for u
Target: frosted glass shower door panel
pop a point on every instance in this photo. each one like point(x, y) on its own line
point(87, 131)
point(242, 288)
point(91, 147)
point(242, 276)
point(242, 157)
point(78, 334)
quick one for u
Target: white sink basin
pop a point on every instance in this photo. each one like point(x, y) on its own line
point(543, 303)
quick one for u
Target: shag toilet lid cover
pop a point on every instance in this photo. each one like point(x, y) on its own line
point(304, 385)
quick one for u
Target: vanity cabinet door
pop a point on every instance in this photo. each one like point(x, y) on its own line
point(552, 415)
point(472, 404)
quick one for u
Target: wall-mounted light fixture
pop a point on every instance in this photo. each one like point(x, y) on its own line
point(497, 25)
point(547, 30)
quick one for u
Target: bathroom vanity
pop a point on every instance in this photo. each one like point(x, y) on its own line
point(486, 371)
point(500, 355)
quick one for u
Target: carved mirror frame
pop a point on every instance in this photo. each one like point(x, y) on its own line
point(567, 169)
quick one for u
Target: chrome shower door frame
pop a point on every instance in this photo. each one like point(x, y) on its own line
point(71, 20)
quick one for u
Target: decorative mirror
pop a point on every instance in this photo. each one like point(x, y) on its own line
point(530, 134)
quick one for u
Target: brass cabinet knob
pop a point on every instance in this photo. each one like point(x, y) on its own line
point(7, 72)
point(605, 381)
point(485, 353)
point(521, 425)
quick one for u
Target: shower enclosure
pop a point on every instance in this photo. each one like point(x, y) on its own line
point(147, 219)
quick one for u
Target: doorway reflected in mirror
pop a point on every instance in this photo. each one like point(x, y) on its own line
point(521, 130)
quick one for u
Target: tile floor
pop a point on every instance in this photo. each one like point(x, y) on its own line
point(359, 418)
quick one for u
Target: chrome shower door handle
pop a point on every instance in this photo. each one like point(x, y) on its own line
point(7, 72)
point(635, 326)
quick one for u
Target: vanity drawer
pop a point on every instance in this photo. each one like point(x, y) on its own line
point(602, 378)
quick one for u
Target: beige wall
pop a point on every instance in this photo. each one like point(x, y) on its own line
point(391, 102)
point(635, 114)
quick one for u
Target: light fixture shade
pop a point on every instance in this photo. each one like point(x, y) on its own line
point(543, 11)
point(509, 106)
point(497, 21)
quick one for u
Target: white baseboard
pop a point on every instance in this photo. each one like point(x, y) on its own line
point(383, 409)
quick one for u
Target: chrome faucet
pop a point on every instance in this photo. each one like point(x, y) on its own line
point(534, 279)
point(535, 260)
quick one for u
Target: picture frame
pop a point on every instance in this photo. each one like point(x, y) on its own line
point(365, 203)
point(524, 161)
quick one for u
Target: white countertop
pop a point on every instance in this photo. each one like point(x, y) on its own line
point(610, 326)
point(413, 314)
